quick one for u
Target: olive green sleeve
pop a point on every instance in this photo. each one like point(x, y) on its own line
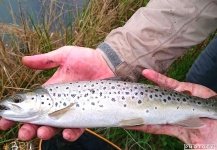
point(158, 34)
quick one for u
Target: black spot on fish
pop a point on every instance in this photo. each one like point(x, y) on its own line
point(133, 97)
point(79, 86)
point(59, 95)
point(33, 98)
point(48, 99)
point(110, 83)
point(113, 87)
point(125, 105)
point(92, 91)
point(165, 100)
point(96, 97)
point(169, 98)
point(125, 83)
point(67, 88)
point(56, 104)
point(92, 85)
point(207, 103)
point(42, 102)
point(42, 95)
point(212, 105)
point(60, 101)
point(135, 87)
point(49, 104)
point(136, 93)
point(184, 99)
point(199, 103)
point(100, 105)
point(57, 87)
point(104, 88)
point(113, 99)
point(50, 89)
point(193, 109)
point(139, 101)
point(110, 92)
point(92, 103)
point(118, 85)
point(146, 90)
point(114, 92)
point(85, 95)
point(97, 83)
point(100, 94)
point(155, 107)
point(163, 93)
point(54, 94)
point(150, 96)
point(122, 97)
point(73, 95)
point(141, 93)
point(207, 109)
point(70, 83)
point(78, 97)
point(156, 95)
point(85, 85)
point(147, 111)
point(77, 105)
point(119, 92)
point(177, 107)
point(83, 109)
point(156, 90)
point(127, 93)
point(123, 88)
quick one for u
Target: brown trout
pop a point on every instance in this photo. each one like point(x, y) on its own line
point(107, 103)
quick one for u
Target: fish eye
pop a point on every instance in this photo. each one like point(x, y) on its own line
point(17, 99)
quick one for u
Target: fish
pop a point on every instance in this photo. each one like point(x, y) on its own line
point(107, 103)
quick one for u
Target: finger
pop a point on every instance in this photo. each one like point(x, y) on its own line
point(160, 79)
point(46, 132)
point(170, 130)
point(72, 134)
point(27, 132)
point(44, 61)
point(6, 124)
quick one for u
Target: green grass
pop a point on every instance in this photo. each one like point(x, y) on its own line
point(89, 29)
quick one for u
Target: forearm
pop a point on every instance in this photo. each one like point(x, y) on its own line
point(157, 34)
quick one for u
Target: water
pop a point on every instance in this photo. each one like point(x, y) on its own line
point(36, 9)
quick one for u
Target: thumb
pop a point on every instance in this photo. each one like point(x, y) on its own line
point(160, 79)
point(44, 61)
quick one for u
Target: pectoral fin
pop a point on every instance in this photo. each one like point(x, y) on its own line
point(59, 113)
point(191, 123)
point(132, 122)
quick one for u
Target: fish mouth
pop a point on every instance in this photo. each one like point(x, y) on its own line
point(3, 107)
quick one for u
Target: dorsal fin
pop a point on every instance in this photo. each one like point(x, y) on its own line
point(113, 78)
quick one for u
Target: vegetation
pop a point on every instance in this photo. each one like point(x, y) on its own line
point(88, 29)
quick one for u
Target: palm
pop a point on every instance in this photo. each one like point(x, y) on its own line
point(75, 64)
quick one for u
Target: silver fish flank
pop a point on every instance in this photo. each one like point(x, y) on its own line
point(107, 103)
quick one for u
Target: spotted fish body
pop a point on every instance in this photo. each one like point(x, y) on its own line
point(106, 103)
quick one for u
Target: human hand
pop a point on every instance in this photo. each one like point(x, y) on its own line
point(204, 135)
point(75, 64)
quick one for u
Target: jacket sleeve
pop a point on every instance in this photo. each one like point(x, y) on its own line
point(158, 34)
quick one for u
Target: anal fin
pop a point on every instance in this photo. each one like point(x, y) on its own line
point(132, 122)
point(191, 123)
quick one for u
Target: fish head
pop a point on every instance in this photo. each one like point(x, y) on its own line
point(26, 105)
